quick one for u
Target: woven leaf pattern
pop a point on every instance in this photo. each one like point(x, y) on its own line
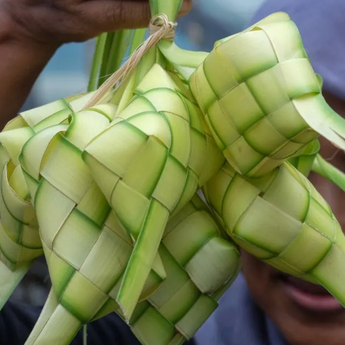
point(304, 160)
point(19, 238)
point(298, 234)
point(97, 270)
point(254, 92)
point(84, 210)
point(114, 188)
point(89, 247)
point(191, 290)
point(20, 243)
point(155, 171)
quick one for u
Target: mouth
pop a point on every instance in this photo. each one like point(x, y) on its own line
point(309, 296)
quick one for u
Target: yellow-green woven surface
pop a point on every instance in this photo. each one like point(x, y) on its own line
point(149, 163)
point(249, 88)
point(282, 219)
point(114, 187)
point(90, 248)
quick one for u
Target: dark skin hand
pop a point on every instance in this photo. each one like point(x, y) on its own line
point(32, 30)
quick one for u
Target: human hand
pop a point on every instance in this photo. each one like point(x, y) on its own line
point(32, 30)
point(54, 22)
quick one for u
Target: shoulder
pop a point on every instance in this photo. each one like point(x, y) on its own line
point(16, 323)
point(237, 320)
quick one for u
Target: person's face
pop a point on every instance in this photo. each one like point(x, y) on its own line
point(304, 312)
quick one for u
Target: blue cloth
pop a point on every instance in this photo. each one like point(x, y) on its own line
point(322, 26)
point(239, 321)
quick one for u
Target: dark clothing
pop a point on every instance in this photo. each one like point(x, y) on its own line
point(237, 321)
point(16, 323)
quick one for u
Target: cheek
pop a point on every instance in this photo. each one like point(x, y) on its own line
point(332, 194)
point(265, 288)
point(258, 275)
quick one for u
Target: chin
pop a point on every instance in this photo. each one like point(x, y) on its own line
point(305, 313)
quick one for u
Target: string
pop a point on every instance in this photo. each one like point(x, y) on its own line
point(159, 28)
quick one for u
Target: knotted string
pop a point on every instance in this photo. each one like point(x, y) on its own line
point(159, 28)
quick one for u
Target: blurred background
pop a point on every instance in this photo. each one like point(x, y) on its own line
point(67, 74)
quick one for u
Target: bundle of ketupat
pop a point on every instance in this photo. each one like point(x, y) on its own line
point(106, 183)
point(266, 108)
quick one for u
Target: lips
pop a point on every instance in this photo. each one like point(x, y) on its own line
point(309, 296)
point(305, 286)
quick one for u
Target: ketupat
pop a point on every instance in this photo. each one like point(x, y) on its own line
point(160, 165)
point(200, 266)
point(155, 171)
point(72, 213)
point(282, 220)
point(84, 255)
point(49, 151)
point(20, 243)
point(261, 97)
point(31, 157)
point(74, 220)
point(19, 239)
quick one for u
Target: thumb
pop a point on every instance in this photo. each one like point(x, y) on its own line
point(109, 16)
point(185, 8)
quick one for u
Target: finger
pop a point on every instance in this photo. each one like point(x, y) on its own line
point(185, 8)
point(107, 16)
